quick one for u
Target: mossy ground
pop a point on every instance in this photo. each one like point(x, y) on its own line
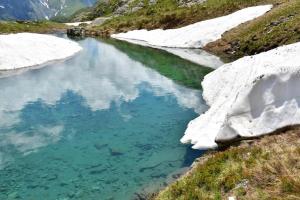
point(268, 168)
point(26, 26)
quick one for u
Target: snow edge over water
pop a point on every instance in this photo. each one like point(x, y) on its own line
point(251, 97)
point(24, 50)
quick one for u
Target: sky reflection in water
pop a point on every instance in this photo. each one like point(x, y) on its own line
point(98, 126)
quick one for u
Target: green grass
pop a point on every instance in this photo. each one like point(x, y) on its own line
point(278, 27)
point(264, 169)
point(36, 27)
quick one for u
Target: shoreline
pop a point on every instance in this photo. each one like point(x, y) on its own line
point(18, 50)
point(287, 134)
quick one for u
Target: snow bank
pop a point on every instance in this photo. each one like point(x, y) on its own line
point(30, 49)
point(195, 35)
point(250, 97)
point(78, 23)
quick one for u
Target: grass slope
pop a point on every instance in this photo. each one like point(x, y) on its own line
point(278, 27)
point(36, 27)
point(268, 168)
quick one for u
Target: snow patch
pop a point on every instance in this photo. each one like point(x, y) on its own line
point(30, 49)
point(78, 23)
point(195, 35)
point(2, 7)
point(250, 97)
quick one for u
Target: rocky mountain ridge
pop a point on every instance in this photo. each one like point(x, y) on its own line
point(40, 9)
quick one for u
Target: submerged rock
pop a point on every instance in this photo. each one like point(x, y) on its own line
point(115, 152)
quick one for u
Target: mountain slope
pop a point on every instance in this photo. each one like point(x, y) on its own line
point(40, 9)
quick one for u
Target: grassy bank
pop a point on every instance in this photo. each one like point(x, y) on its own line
point(36, 27)
point(167, 14)
point(278, 27)
point(268, 168)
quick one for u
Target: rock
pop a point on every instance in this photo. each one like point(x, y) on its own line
point(98, 171)
point(76, 32)
point(13, 195)
point(100, 20)
point(115, 152)
point(100, 146)
point(51, 177)
point(188, 3)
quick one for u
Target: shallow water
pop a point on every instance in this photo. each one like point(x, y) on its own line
point(98, 126)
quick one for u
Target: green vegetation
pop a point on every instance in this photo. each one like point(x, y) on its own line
point(167, 14)
point(68, 11)
point(26, 26)
point(173, 67)
point(262, 169)
point(101, 8)
point(278, 27)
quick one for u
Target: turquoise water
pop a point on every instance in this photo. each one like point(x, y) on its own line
point(98, 126)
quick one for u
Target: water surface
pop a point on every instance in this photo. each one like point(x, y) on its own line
point(102, 125)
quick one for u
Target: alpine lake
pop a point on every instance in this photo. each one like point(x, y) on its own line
point(102, 125)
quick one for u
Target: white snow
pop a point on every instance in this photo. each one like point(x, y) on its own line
point(78, 23)
point(250, 97)
point(2, 7)
point(195, 35)
point(30, 49)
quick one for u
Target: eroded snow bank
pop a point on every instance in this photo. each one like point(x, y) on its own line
point(30, 49)
point(195, 35)
point(250, 97)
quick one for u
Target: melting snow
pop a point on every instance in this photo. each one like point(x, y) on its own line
point(30, 49)
point(250, 97)
point(195, 35)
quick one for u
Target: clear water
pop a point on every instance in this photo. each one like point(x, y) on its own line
point(98, 126)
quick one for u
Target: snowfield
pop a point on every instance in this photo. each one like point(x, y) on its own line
point(195, 35)
point(29, 49)
point(250, 97)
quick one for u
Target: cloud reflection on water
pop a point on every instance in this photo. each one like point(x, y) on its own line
point(101, 74)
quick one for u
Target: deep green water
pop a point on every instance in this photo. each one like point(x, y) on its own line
point(102, 125)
